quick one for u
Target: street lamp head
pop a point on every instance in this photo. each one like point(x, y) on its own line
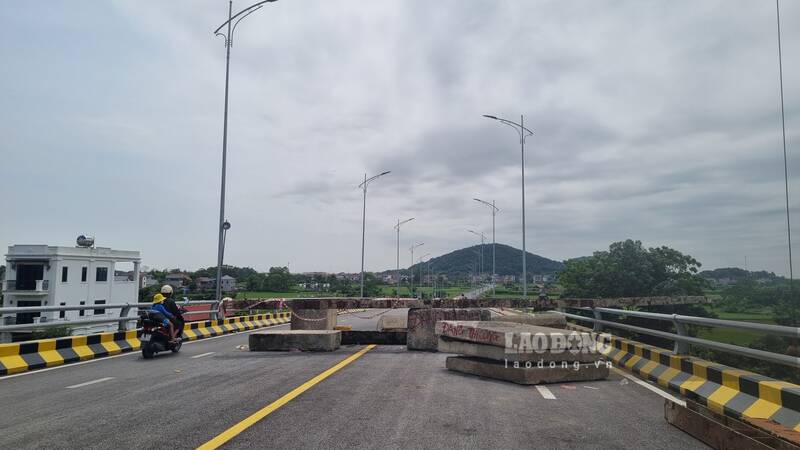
point(384, 173)
point(490, 117)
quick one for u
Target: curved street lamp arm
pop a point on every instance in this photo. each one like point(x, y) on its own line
point(487, 204)
point(364, 183)
point(245, 11)
point(233, 29)
point(396, 227)
point(519, 128)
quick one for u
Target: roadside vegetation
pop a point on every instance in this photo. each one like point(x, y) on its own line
point(628, 269)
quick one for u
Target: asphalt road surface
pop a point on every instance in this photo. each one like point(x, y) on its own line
point(387, 398)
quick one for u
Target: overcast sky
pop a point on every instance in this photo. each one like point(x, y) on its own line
point(654, 120)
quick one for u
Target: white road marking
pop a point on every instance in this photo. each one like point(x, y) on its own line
point(545, 392)
point(99, 380)
point(650, 387)
point(201, 355)
point(106, 358)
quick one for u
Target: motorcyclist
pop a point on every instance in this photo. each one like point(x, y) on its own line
point(172, 307)
point(162, 314)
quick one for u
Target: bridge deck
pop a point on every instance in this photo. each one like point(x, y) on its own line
point(389, 398)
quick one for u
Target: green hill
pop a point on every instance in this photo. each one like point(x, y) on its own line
point(508, 262)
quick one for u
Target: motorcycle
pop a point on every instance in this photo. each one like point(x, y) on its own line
point(155, 336)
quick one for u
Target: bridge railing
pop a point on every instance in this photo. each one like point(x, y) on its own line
point(123, 319)
point(683, 340)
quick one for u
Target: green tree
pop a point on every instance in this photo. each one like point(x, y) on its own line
point(278, 279)
point(628, 269)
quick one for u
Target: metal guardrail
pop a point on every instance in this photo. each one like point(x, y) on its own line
point(682, 339)
point(122, 319)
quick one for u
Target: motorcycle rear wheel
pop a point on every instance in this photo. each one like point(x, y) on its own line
point(147, 351)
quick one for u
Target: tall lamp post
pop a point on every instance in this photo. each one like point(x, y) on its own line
point(419, 262)
point(792, 301)
point(397, 227)
point(363, 186)
point(228, 35)
point(495, 209)
point(523, 133)
point(413, 246)
point(480, 259)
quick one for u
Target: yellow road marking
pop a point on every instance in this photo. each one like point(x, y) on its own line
point(235, 430)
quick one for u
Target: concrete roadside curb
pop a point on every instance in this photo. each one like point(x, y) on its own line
point(725, 390)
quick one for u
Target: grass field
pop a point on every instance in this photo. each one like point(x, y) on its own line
point(733, 336)
point(388, 290)
point(293, 294)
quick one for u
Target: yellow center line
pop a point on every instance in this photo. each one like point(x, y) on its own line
point(235, 430)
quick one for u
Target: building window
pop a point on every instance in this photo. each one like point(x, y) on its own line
point(99, 311)
point(102, 274)
point(82, 312)
point(64, 274)
point(62, 314)
point(84, 270)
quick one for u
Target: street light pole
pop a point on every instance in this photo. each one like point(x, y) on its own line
point(228, 35)
point(523, 133)
point(419, 263)
point(397, 227)
point(363, 186)
point(483, 238)
point(494, 242)
point(792, 301)
point(413, 246)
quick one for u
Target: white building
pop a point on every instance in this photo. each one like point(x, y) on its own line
point(147, 280)
point(228, 283)
point(43, 275)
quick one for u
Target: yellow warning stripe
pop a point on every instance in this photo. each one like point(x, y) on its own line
point(12, 361)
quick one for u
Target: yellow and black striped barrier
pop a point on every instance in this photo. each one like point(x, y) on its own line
point(725, 390)
point(32, 355)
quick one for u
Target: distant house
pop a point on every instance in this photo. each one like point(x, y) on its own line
point(146, 280)
point(177, 280)
point(228, 283)
point(204, 283)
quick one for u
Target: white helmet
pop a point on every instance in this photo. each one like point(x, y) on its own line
point(227, 299)
point(166, 289)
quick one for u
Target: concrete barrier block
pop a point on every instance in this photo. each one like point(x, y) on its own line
point(393, 323)
point(551, 320)
point(513, 335)
point(305, 340)
point(314, 319)
point(547, 373)
point(422, 322)
point(496, 353)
